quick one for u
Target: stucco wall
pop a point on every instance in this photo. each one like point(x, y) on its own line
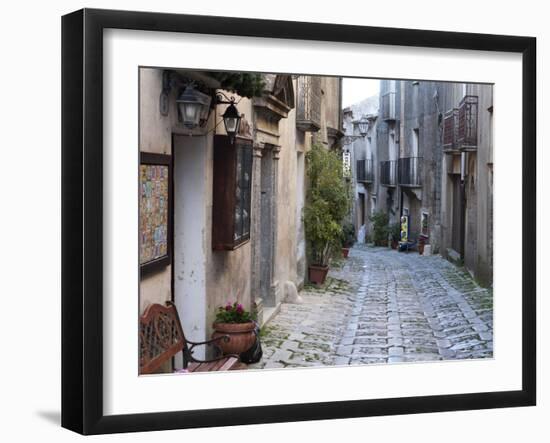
point(228, 273)
point(155, 136)
point(285, 252)
point(332, 101)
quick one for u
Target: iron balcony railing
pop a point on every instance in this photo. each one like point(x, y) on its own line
point(389, 112)
point(308, 111)
point(467, 123)
point(460, 126)
point(388, 173)
point(410, 172)
point(450, 131)
point(364, 171)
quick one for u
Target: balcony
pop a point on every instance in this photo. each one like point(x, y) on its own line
point(410, 172)
point(388, 173)
point(460, 126)
point(467, 123)
point(364, 171)
point(450, 131)
point(389, 111)
point(308, 111)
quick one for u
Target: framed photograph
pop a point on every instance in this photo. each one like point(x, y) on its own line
point(271, 221)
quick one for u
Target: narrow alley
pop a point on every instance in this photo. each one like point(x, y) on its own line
point(382, 306)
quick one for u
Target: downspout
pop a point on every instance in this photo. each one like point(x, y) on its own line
point(463, 163)
point(401, 140)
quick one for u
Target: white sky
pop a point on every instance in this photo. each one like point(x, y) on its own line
point(358, 89)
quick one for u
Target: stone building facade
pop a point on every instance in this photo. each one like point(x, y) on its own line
point(467, 177)
point(280, 125)
point(363, 160)
point(433, 151)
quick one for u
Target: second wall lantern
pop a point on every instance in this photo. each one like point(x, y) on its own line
point(231, 116)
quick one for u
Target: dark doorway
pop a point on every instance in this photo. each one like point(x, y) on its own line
point(361, 209)
point(457, 240)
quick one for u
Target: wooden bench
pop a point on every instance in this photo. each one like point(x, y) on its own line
point(161, 337)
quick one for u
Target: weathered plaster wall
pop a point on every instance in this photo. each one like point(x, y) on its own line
point(155, 288)
point(332, 102)
point(285, 251)
point(478, 229)
point(421, 115)
point(155, 136)
point(190, 166)
point(449, 98)
point(302, 144)
point(372, 153)
point(155, 130)
point(228, 273)
point(385, 131)
point(479, 192)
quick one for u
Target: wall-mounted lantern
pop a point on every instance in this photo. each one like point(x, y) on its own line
point(231, 116)
point(193, 107)
point(363, 126)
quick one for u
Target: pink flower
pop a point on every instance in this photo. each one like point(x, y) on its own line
point(228, 307)
point(240, 309)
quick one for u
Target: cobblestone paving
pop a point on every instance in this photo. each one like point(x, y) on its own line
point(382, 306)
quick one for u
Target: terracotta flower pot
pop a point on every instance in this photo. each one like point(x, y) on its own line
point(317, 274)
point(241, 336)
point(345, 252)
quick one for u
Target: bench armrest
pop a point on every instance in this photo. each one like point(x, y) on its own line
point(188, 353)
point(208, 342)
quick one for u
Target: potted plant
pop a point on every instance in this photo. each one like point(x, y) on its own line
point(395, 234)
point(233, 321)
point(380, 228)
point(348, 238)
point(327, 204)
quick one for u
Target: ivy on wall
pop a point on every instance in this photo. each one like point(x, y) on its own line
point(243, 84)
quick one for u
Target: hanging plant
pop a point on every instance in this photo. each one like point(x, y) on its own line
point(244, 84)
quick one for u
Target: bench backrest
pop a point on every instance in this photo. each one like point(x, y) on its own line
point(160, 336)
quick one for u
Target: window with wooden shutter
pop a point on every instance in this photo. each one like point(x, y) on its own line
point(231, 204)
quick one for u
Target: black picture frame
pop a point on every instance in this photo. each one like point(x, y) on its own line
point(147, 158)
point(82, 217)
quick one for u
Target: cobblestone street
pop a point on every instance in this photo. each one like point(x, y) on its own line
point(382, 306)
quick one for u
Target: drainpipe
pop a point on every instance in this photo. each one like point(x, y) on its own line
point(463, 163)
point(401, 149)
